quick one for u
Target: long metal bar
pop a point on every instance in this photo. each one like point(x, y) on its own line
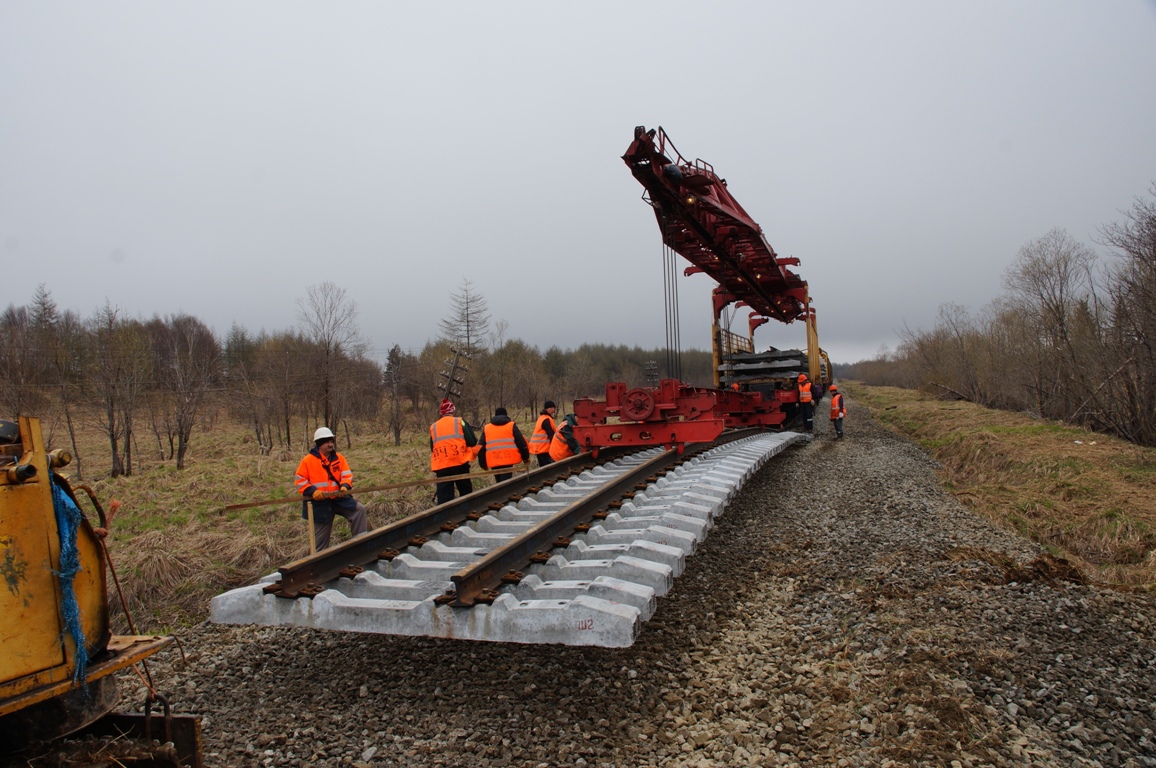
point(479, 581)
point(370, 489)
point(305, 576)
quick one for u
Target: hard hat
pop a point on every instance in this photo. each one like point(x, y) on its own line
point(802, 377)
point(833, 388)
point(322, 433)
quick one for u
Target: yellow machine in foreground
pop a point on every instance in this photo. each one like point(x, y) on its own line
point(57, 650)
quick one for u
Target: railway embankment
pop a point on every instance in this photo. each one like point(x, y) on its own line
point(845, 611)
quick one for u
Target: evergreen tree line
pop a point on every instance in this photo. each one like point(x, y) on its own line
point(145, 384)
point(1072, 338)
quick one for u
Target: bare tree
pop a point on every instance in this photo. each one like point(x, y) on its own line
point(20, 363)
point(1051, 281)
point(63, 345)
point(186, 361)
point(247, 401)
point(398, 387)
point(466, 326)
point(950, 354)
point(284, 379)
point(1132, 287)
point(120, 369)
point(328, 318)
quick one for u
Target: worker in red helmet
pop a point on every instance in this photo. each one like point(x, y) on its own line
point(838, 411)
point(325, 480)
point(806, 403)
point(451, 443)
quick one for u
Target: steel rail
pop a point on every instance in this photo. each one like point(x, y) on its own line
point(306, 577)
point(479, 582)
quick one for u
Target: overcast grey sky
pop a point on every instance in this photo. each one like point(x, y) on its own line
point(219, 158)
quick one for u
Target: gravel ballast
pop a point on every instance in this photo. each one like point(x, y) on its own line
point(845, 611)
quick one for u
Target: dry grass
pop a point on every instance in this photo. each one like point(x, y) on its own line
point(1088, 498)
point(173, 545)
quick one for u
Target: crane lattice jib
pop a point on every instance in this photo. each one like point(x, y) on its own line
point(703, 223)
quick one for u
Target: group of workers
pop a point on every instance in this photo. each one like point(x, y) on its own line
point(807, 406)
point(501, 446)
point(324, 479)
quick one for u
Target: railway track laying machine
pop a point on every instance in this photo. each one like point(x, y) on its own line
point(577, 552)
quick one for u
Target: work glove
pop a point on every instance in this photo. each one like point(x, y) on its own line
point(318, 495)
point(346, 487)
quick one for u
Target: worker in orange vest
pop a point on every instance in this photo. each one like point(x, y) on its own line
point(502, 445)
point(806, 403)
point(564, 444)
point(324, 479)
point(838, 411)
point(543, 433)
point(451, 441)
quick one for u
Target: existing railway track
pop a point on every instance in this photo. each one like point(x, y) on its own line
point(576, 552)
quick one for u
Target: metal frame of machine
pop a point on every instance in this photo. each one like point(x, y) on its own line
point(43, 693)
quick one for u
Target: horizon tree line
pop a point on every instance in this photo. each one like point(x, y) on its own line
point(146, 384)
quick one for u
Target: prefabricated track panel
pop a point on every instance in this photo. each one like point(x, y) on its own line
point(596, 591)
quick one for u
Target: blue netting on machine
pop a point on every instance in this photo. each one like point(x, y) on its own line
point(68, 519)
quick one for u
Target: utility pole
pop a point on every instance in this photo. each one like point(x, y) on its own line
point(455, 377)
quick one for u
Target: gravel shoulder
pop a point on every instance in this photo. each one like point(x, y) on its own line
point(845, 611)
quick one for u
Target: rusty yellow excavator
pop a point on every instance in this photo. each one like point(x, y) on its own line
point(57, 650)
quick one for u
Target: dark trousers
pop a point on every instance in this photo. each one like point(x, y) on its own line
point(445, 491)
point(808, 416)
point(838, 425)
point(544, 459)
point(501, 476)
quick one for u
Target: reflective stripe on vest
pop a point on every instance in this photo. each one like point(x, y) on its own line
point(837, 411)
point(501, 450)
point(559, 448)
point(311, 471)
point(539, 443)
point(805, 392)
point(449, 444)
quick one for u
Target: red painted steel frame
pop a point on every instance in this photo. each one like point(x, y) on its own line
point(672, 414)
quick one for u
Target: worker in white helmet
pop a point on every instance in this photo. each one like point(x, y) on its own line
point(325, 480)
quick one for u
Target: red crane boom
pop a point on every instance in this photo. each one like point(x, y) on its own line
point(700, 220)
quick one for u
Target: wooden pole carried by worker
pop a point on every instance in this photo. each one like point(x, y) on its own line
point(371, 489)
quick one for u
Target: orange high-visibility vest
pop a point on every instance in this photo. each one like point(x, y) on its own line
point(805, 392)
point(311, 472)
point(501, 450)
point(559, 448)
point(837, 409)
point(449, 444)
point(540, 441)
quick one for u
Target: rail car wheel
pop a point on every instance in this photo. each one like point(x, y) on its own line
point(637, 405)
